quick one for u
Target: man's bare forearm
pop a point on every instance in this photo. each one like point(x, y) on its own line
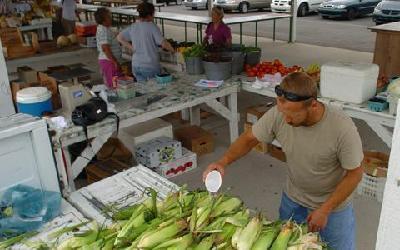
point(239, 148)
point(345, 188)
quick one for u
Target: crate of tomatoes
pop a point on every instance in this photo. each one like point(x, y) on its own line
point(270, 68)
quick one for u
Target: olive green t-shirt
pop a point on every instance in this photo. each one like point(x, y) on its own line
point(317, 156)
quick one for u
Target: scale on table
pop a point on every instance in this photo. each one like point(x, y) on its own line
point(73, 93)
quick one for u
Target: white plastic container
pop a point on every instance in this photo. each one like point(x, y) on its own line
point(349, 82)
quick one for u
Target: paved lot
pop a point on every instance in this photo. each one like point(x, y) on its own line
point(312, 29)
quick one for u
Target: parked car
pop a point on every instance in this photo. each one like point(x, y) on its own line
point(196, 4)
point(303, 6)
point(387, 11)
point(349, 9)
point(242, 5)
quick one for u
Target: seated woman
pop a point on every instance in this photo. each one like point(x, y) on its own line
point(107, 46)
point(218, 34)
point(146, 37)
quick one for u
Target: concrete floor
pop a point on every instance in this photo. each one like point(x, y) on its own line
point(256, 178)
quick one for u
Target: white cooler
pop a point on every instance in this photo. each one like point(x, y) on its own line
point(349, 82)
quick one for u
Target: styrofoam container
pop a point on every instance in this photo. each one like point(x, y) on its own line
point(34, 101)
point(349, 82)
point(145, 131)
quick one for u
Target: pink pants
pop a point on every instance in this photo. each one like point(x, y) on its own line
point(109, 70)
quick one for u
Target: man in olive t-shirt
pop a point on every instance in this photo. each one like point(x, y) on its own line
point(324, 154)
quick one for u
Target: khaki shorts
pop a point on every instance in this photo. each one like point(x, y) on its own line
point(68, 26)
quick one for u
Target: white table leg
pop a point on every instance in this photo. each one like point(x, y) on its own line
point(233, 123)
point(63, 176)
point(195, 116)
point(87, 155)
point(71, 184)
point(49, 33)
point(185, 114)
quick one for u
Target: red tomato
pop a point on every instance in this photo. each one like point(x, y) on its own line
point(251, 74)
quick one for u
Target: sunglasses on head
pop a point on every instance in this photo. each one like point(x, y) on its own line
point(290, 96)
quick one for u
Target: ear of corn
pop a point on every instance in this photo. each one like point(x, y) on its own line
point(166, 233)
point(266, 238)
point(236, 236)
point(227, 206)
point(249, 234)
point(283, 238)
point(181, 243)
point(227, 232)
point(206, 243)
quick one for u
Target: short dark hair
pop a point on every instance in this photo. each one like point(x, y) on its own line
point(101, 14)
point(145, 9)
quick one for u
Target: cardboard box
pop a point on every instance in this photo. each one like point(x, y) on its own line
point(276, 152)
point(196, 139)
point(375, 163)
point(115, 149)
point(49, 82)
point(10, 37)
point(87, 41)
point(103, 169)
point(158, 151)
point(20, 51)
point(16, 86)
point(261, 147)
point(256, 112)
point(182, 165)
point(27, 74)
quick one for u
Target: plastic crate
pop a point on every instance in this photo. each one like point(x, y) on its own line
point(372, 187)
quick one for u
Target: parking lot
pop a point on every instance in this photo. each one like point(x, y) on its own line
point(312, 29)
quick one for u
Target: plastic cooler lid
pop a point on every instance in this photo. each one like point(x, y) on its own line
point(33, 95)
point(350, 68)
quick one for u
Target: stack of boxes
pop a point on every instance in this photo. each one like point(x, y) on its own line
point(253, 114)
point(86, 32)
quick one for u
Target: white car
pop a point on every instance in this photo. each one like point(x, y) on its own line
point(303, 6)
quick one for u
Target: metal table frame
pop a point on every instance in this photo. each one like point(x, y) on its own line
point(100, 132)
point(378, 121)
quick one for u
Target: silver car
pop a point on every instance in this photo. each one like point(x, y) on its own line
point(243, 5)
point(196, 4)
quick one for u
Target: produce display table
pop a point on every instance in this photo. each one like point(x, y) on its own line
point(179, 95)
point(200, 21)
point(387, 47)
point(89, 203)
point(44, 30)
point(378, 121)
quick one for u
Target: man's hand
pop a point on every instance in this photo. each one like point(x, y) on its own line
point(214, 166)
point(317, 220)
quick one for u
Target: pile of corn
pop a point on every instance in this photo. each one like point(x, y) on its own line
point(192, 220)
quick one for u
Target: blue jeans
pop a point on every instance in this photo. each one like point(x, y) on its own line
point(143, 74)
point(339, 233)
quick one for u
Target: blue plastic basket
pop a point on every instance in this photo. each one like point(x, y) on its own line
point(377, 105)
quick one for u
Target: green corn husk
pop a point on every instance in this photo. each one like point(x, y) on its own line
point(281, 242)
point(249, 234)
point(240, 219)
point(266, 238)
point(236, 236)
point(193, 220)
point(206, 243)
point(160, 235)
point(226, 207)
point(15, 240)
point(125, 213)
point(227, 233)
point(64, 230)
point(181, 243)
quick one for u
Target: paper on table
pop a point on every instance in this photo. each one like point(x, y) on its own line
point(209, 83)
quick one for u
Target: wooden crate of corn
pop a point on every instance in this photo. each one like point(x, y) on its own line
point(189, 220)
